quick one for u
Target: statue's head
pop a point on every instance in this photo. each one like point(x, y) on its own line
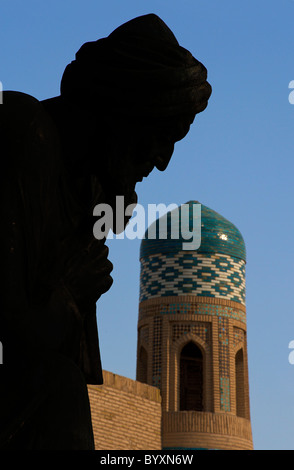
point(143, 89)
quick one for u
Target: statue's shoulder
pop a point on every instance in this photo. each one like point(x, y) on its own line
point(19, 98)
point(26, 130)
point(18, 107)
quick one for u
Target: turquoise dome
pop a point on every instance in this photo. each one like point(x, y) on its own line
point(218, 235)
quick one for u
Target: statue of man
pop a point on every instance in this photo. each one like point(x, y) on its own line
point(125, 100)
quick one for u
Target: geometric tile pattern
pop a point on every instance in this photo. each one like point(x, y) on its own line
point(144, 335)
point(200, 329)
point(224, 363)
point(156, 353)
point(183, 308)
point(208, 275)
point(239, 336)
point(225, 394)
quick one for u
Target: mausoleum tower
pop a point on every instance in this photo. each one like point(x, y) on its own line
point(192, 332)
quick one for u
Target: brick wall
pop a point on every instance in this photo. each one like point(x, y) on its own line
point(126, 414)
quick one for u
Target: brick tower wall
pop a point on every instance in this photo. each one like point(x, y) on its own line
point(190, 296)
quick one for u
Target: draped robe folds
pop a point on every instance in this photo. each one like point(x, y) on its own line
point(45, 230)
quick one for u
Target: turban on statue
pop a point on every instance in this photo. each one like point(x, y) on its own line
point(139, 70)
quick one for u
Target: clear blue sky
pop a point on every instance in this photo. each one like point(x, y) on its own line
point(237, 159)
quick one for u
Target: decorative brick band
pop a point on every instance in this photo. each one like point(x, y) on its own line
point(192, 305)
point(208, 275)
point(210, 424)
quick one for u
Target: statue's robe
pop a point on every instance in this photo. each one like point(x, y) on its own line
point(47, 340)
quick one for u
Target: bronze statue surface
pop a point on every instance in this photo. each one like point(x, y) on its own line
point(125, 100)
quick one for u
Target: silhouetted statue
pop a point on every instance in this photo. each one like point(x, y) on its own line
point(125, 100)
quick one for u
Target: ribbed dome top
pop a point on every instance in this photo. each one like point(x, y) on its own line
point(218, 235)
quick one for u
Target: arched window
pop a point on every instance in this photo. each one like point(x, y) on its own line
point(240, 395)
point(191, 378)
point(143, 365)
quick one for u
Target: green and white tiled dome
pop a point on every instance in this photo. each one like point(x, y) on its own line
point(215, 269)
